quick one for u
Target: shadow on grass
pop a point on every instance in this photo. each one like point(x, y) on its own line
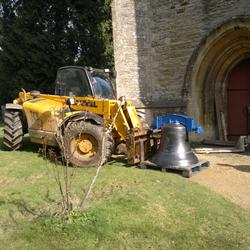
point(121, 159)
point(27, 145)
point(26, 209)
point(40, 150)
point(22, 206)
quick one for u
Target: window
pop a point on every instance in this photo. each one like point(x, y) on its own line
point(102, 88)
point(72, 82)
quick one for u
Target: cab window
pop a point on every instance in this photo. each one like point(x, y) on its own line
point(72, 82)
point(102, 88)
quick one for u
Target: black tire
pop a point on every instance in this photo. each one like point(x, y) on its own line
point(87, 144)
point(13, 129)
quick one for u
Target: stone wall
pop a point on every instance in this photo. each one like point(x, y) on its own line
point(154, 42)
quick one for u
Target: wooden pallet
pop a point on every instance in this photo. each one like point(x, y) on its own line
point(187, 172)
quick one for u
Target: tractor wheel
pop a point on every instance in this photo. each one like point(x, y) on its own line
point(13, 130)
point(86, 144)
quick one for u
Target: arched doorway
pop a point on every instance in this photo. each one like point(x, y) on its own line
point(208, 74)
point(238, 94)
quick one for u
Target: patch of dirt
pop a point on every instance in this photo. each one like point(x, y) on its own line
point(34, 178)
point(229, 175)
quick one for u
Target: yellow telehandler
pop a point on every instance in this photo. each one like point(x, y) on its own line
point(83, 118)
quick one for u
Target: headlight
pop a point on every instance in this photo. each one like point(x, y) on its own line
point(71, 101)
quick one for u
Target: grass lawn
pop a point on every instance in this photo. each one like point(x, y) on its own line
point(129, 209)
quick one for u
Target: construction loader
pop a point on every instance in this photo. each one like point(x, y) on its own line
point(83, 118)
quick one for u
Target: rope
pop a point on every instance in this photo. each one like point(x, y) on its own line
point(111, 126)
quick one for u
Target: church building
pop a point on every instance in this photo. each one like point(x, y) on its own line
point(186, 56)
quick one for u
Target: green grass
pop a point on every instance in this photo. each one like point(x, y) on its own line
point(129, 209)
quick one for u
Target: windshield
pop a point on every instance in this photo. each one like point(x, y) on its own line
point(102, 88)
point(72, 82)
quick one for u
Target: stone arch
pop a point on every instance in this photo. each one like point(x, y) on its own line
point(207, 73)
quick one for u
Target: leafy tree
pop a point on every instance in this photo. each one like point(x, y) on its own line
point(38, 36)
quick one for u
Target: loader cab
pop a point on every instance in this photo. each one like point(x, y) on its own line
point(77, 81)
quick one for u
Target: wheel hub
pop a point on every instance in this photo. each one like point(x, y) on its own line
point(85, 146)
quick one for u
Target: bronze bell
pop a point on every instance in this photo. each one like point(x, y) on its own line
point(174, 150)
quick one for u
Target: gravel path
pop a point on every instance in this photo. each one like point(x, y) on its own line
point(228, 175)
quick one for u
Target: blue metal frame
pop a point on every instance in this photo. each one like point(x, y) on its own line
point(186, 121)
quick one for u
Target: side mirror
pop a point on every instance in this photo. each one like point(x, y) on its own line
point(113, 73)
